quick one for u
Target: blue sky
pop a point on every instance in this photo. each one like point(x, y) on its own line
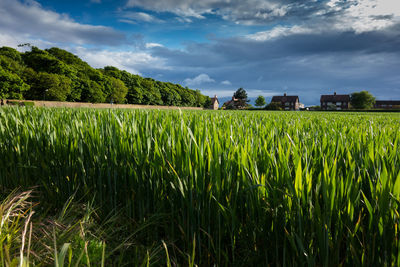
point(268, 47)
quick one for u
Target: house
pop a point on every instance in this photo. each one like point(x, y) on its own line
point(214, 103)
point(387, 104)
point(335, 102)
point(287, 102)
point(235, 104)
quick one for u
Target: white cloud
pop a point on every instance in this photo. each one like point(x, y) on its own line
point(139, 16)
point(198, 80)
point(152, 45)
point(132, 62)
point(184, 20)
point(226, 82)
point(359, 16)
point(245, 11)
point(11, 40)
point(280, 31)
point(28, 20)
point(128, 21)
point(369, 15)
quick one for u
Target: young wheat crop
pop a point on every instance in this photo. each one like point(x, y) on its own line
point(228, 188)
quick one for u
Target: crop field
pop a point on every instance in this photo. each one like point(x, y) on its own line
point(208, 188)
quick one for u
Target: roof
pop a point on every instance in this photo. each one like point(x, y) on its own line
point(387, 102)
point(233, 101)
point(335, 98)
point(215, 98)
point(285, 98)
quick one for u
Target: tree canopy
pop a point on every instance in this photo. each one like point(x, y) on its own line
point(240, 98)
point(56, 74)
point(241, 94)
point(260, 101)
point(11, 85)
point(362, 100)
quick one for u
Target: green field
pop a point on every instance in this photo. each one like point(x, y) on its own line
point(124, 187)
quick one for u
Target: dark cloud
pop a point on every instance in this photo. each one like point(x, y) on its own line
point(247, 12)
point(304, 64)
point(241, 50)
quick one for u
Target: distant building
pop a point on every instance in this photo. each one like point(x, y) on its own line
point(287, 102)
point(335, 102)
point(387, 104)
point(214, 103)
point(235, 104)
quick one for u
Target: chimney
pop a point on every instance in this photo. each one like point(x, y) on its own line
point(284, 94)
point(215, 96)
point(334, 93)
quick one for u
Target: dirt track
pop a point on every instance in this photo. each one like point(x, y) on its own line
point(101, 105)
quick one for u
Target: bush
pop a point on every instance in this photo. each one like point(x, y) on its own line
point(273, 106)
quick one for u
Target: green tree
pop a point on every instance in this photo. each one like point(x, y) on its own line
point(207, 102)
point(60, 87)
point(113, 72)
point(31, 70)
point(168, 95)
point(241, 96)
point(11, 85)
point(118, 91)
point(42, 61)
point(362, 100)
point(202, 100)
point(260, 101)
point(135, 90)
point(11, 53)
point(14, 66)
point(92, 92)
point(68, 58)
point(49, 86)
point(188, 99)
point(151, 94)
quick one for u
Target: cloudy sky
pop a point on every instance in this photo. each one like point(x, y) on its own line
point(268, 47)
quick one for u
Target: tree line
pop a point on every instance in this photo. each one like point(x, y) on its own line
point(56, 74)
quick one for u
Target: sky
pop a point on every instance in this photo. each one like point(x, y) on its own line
point(268, 47)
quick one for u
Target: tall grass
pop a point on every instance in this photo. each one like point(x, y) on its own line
point(64, 240)
point(225, 188)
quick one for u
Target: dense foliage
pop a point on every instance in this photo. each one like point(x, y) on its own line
point(273, 106)
point(241, 96)
point(55, 74)
point(362, 100)
point(260, 101)
point(225, 188)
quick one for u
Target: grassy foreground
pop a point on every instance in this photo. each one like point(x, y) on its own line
point(123, 187)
